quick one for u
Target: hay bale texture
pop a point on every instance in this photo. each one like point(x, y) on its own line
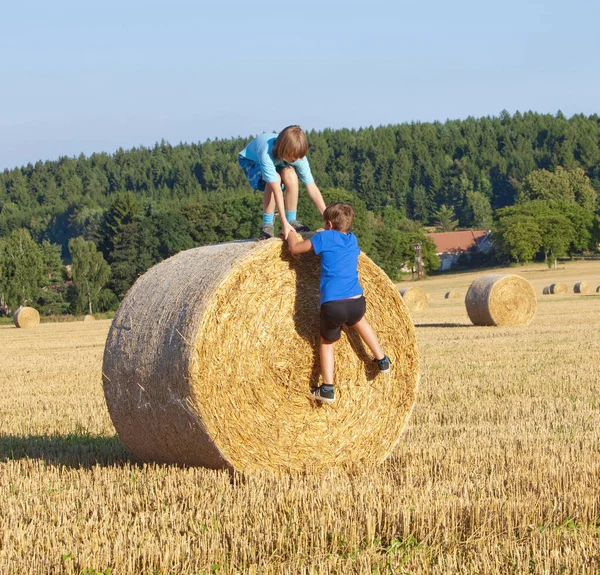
point(453, 294)
point(502, 300)
point(414, 297)
point(211, 355)
point(26, 317)
point(559, 288)
point(583, 287)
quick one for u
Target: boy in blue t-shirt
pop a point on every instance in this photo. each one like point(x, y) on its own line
point(275, 161)
point(342, 300)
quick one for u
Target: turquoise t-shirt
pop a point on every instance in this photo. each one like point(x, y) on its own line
point(339, 264)
point(260, 149)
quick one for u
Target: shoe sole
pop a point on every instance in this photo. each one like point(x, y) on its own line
point(384, 370)
point(322, 399)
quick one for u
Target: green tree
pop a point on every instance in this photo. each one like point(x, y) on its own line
point(21, 269)
point(445, 218)
point(478, 210)
point(517, 236)
point(89, 269)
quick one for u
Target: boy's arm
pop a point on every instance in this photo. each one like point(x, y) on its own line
point(315, 196)
point(296, 246)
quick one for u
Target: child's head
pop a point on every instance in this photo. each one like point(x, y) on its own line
point(291, 144)
point(341, 216)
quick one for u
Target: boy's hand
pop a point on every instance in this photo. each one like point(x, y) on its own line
point(286, 229)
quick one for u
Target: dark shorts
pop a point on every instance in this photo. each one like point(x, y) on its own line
point(334, 314)
point(254, 175)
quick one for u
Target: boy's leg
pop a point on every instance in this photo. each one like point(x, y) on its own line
point(326, 352)
point(289, 177)
point(364, 329)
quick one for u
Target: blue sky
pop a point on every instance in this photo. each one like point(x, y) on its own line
point(80, 77)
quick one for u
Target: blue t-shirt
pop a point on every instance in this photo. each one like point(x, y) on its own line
point(339, 264)
point(260, 150)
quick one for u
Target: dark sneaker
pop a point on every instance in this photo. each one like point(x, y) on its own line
point(383, 364)
point(267, 231)
point(324, 396)
point(299, 227)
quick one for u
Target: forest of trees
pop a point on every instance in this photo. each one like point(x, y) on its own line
point(532, 178)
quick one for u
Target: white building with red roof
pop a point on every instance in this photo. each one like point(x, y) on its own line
point(450, 245)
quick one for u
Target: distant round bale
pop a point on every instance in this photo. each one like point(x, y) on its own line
point(546, 291)
point(88, 318)
point(559, 288)
point(452, 294)
point(211, 355)
point(414, 297)
point(26, 317)
point(598, 289)
point(583, 287)
point(502, 300)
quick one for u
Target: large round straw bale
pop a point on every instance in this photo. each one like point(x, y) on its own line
point(583, 287)
point(497, 299)
point(211, 355)
point(26, 317)
point(558, 288)
point(452, 294)
point(414, 297)
point(88, 317)
point(546, 291)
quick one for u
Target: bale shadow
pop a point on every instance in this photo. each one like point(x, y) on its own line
point(444, 325)
point(76, 450)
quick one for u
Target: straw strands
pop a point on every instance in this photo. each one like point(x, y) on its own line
point(559, 288)
point(503, 300)
point(26, 317)
point(211, 355)
point(583, 287)
point(414, 297)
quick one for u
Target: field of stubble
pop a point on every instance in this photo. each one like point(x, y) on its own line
point(498, 471)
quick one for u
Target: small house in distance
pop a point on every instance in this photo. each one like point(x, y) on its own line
point(451, 245)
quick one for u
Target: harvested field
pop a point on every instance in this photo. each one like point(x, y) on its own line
point(497, 471)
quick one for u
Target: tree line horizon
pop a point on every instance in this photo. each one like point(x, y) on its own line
point(531, 178)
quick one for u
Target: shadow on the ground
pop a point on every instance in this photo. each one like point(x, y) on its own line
point(444, 325)
point(72, 450)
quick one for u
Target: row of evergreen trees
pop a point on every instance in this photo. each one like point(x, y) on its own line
point(527, 172)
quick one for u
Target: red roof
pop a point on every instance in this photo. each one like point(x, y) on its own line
point(457, 241)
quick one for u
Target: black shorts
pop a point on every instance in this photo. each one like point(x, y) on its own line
point(334, 314)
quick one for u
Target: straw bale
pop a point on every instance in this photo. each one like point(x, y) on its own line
point(88, 317)
point(26, 317)
point(583, 287)
point(211, 355)
point(503, 300)
point(598, 289)
point(558, 288)
point(546, 290)
point(414, 297)
point(453, 294)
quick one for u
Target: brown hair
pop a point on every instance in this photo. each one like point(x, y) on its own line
point(340, 214)
point(291, 143)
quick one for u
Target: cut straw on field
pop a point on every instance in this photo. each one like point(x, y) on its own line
point(453, 294)
point(209, 363)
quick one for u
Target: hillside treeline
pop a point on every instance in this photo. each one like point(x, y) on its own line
point(140, 206)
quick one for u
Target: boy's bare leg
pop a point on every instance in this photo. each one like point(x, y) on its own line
point(364, 329)
point(268, 201)
point(327, 361)
point(290, 181)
